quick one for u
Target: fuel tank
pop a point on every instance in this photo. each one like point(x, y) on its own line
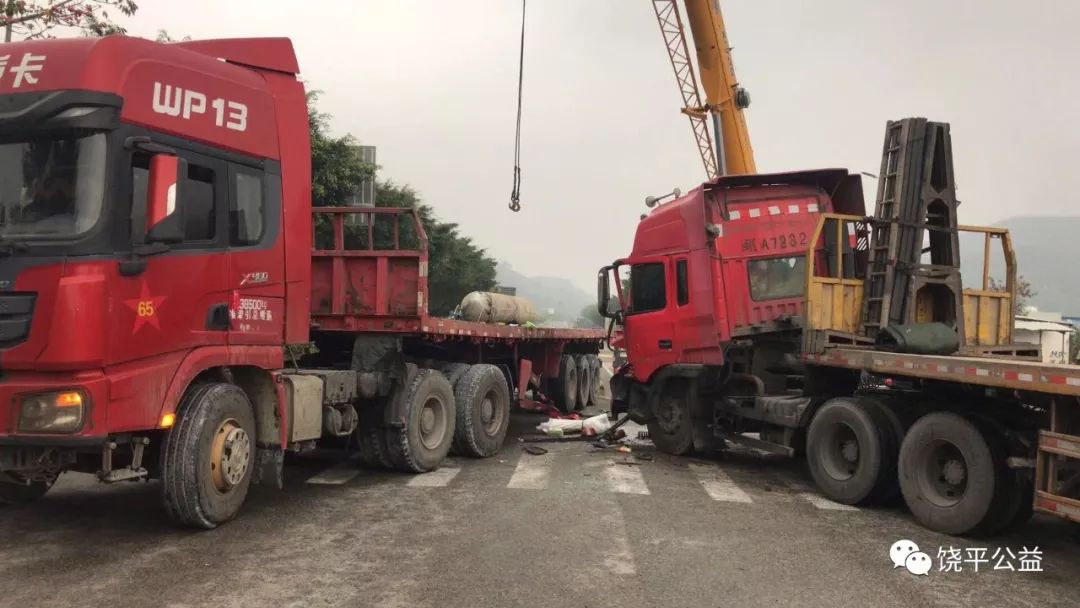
point(488, 307)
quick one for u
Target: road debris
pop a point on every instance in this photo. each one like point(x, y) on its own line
point(535, 450)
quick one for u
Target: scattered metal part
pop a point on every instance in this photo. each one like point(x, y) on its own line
point(628, 462)
point(643, 434)
point(546, 439)
point(535, 450)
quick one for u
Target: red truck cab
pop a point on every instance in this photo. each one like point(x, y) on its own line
point(144, 235)
point(723, 262)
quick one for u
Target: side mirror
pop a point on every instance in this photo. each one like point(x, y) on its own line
point(603, 292)
point(164, 218)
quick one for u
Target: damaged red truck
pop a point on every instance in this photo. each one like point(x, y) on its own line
point(160, 288)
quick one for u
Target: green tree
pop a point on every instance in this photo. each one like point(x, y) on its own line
point(456, 265)
point(589, 317)
point(336, 170)
point(29, 19)
point(1074, 346)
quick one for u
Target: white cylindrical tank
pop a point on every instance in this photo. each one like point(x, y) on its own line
point(488, 307)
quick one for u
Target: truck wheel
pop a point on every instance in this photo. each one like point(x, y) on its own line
point(207, 458)
point(671, 425)
point(947, 473)
point(584, 381)
point(454, 372)
point(18, 493)
point(370, 436)
point(424, 439)
point(482, 401)
point(894, 426)
point(566, 385)
point(594, 384)
point(848, 450)
point(1008, 495)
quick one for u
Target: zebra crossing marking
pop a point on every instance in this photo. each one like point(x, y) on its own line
point(718, 485)
point(624, 479)
point(438, 478)
point(336, 475)
point(531, 473)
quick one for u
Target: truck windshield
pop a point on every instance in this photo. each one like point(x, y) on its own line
point(51, 186)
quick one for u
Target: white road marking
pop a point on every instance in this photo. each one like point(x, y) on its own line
point(531, 473)
point(340, 473)
point(438, 478)
point(626, 479)
point(821, 502)
point(718, 485)
point(815, 498)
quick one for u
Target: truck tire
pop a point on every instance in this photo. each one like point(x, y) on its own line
point(948, 474)
point(454, 372)
point(208, 456)
point(584, 381)
point(671, 425)
point(565, 386)
point(1008, 487)
point(896, 423)
point(482, 401)
point(13, 493)
point(370, 436)
point(849, 450)
point(595, 394)
point(421, 444)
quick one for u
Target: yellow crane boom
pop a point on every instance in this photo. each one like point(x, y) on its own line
point(725, 100)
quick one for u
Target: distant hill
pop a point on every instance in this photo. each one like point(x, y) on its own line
point(1047, 255)
point(555, 298)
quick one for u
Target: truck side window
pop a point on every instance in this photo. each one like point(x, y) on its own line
point(682, 286)
point(199, 200)
point(647, 289)
point(247, 212)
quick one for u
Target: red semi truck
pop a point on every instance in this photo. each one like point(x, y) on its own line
point(160, 289)
point(770, 311)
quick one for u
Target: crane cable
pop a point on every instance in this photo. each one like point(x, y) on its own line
point(515, 194)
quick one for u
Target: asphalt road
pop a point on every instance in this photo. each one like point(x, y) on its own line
point(574, 527)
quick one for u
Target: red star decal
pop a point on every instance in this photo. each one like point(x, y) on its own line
point(145, 308)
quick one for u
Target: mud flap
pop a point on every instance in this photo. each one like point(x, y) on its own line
point(269, 467)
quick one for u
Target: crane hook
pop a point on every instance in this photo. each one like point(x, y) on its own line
point(515, 194)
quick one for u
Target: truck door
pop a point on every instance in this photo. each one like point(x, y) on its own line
point(161, 302)
point(256, 272)
point(649, 329)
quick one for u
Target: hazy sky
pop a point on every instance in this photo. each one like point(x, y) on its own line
point(432, 83)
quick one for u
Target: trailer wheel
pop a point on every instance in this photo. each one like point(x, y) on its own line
point(948, 474)
point(208, 457)
point(424, 439)
point(17, 492)
point(482, 401)
point(849, 450)
point(594, 384)
point(671, 425)
point(1009, 494)
point(585, 377)
point(566, 385)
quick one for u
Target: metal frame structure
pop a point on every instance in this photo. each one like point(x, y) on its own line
point(671, 27)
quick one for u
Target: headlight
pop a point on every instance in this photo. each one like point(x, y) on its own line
point(59, 412)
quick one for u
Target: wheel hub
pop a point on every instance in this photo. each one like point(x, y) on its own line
point(433, 423)
point(850, 451)
point(669, 414)
point(230, 455)
point(487, 410)
point(954, 472)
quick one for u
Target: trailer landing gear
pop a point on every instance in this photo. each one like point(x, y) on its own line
point(206, 460)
